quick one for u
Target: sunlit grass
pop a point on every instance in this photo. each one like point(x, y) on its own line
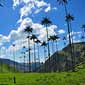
point(63, 78)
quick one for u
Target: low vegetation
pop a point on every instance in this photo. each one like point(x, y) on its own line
point(63, 78)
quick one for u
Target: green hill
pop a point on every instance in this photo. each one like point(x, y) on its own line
point(6, 68)
point(60, 60)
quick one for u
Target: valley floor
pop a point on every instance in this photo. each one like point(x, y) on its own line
point(62, 78)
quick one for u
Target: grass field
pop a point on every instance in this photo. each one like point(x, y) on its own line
point(63, 78)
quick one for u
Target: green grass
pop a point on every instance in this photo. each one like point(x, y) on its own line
point(63, 78)
point(4, 68)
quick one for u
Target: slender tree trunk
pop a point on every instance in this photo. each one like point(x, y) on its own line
point(14, 60)
point(24, 63)
point(38, 54)
point(53, 58)
point(29, 55)
point(68, 25)
point(56, 59)
point(48, 48)
point(73, 55)
point(53, 47)
point(44, 57)
point(34, 57)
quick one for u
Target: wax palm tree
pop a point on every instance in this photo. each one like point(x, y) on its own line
point(14, 78)
point(44, 44)
point(64, 39)
point(24, 57)
point(46, 22)
point(38, 42)
point(51, 38)
point(20, 67)
point(66, 60)
point(69, 19)
point(33, 37)
point(14, 57)
point(65, 2)
point(56, 38)
point(83, 28)
point(56, 59)
point(29, 31)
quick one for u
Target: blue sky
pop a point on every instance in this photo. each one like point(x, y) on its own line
point(13, 20)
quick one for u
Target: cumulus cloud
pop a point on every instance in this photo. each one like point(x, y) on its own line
point(31, 7)
point(61, 31)
point(3, 39)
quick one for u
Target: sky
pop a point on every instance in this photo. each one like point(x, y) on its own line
point(16, 15)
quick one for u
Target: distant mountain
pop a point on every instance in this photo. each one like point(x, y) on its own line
point(12, 66)
point(61, 61)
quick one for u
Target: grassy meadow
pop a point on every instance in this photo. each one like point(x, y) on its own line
point(62, 78)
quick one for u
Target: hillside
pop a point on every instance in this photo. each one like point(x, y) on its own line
point(61, 60)
point(6, 68)
point(7, 65)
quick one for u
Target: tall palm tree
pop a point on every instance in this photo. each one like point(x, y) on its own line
point(83, 28)
point(46, 22)
point(44, 44)
point(69, 19)
point(20, 67)
point(66, 60)
point(14, 57)
point(24, 57)
point(14, 78)
point(37, 42)
point(51, 38)
point(65, 2)
point(29, 31)
point(33, 37)
point(64, 39)
point(56, 59)
point(56, 37)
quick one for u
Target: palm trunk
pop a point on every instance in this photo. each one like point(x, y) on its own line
point(56, 59)
point(24, 63)
point(48, 48)
point(34, 57)
point(53, 47)
point(14, 60)
point(38, 54)
point(29, 55)
point(72, 49)
point(68, 25)
point(45, 58)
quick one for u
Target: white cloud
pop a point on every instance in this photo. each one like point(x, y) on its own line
point(31, 7)
point(15, 3)
point(48, 8)
point(3, 39)
point(61, 31)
